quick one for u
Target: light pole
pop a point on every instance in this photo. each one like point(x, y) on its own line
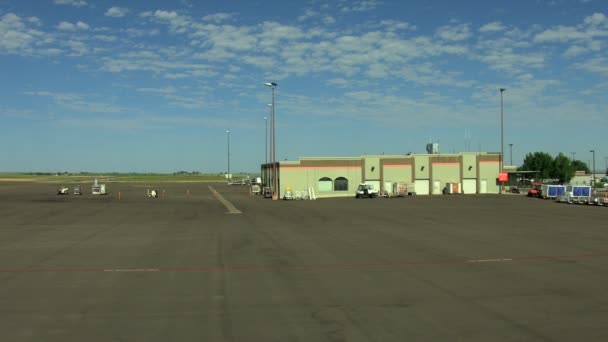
point(502, 152)
point(266, 139)
point(573, 153)
point(593, 170)
point(275, 181)
point(606, 158)
point(228, 155)
point(511, 154)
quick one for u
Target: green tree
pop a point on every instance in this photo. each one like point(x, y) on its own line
point(578, 165)
point(539, 161)
point(562, 169)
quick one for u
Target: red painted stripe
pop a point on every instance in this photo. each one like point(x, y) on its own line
point(398, 166)
point(283, 168)
point(446, 164)
point(305, 267)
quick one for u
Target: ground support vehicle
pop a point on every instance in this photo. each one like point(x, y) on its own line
point(366, 190)
point(535, 190)
point(98, 189)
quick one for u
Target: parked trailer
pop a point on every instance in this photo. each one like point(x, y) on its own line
point(579, 193)
point(552, 191)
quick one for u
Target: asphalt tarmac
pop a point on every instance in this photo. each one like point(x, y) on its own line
point(206, 262)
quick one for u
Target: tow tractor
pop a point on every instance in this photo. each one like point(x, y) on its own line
point(366, 190)
point(535, 190)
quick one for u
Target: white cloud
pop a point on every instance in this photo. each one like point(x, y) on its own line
point(75, 3)
point(596, 19)
point(105, 38)
point(574, 51)
point(161, 63)
point(66, 26)
point(308, 14)
point(454, 33)
point(34, 21)
point(117, 12)
point(394, 25)
point(177, 23)
point(494, 26)
point(77, 102)
point(594, 26)
point(138, 33)
point(328, 20)
point(166, 90)
point(18, 113)
point(508, 61)
point(230, 37)
point(358, 6)
point(597, 65)
point(16, 37)
point(218, 17)
point(560, 34)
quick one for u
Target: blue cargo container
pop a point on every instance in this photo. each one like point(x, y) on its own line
point(552, 191)
point(581, 191)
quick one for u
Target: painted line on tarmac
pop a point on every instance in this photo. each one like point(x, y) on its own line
point(231, 208)
point(305, 267)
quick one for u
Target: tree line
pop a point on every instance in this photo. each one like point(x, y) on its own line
point(560, 167)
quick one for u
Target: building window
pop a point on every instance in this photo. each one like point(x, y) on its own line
point(325, 184)
point(341, 184)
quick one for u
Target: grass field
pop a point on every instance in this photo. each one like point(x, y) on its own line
point(128, 177)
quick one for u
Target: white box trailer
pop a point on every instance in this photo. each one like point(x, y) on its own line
point(453, 188)
point(578, 193)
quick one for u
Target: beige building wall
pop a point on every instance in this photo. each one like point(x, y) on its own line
point(422, 170)
point(311, 173)
point(448, 172)
point(371, 168)
point(488, 172)
point(397, 170)
point(469, 165)
point(398, 173)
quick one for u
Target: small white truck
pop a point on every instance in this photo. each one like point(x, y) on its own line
point(366, 190)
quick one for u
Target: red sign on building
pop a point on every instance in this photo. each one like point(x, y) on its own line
point(503, 177)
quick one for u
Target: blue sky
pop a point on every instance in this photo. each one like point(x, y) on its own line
point(154, 85)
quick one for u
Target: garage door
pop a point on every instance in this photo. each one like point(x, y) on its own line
point(469, 186)
point(421, 186)
point(483, 186)
point(437, 187)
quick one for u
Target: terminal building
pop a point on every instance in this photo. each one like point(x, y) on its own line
point(422, 174)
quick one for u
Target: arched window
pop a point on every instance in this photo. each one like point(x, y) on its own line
point(341, 184)
point(325, 184)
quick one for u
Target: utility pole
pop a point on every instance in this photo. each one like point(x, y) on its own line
point(593, 170)
point(228, 155)
point(273, 146)
point(502, 150)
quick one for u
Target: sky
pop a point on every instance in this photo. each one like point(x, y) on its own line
point(153, 86)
